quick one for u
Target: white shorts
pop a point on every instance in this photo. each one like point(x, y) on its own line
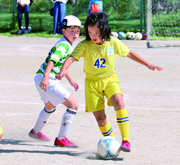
point(55, 93)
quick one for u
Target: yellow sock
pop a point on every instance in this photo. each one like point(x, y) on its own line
point(123, 123)
point(107, 130)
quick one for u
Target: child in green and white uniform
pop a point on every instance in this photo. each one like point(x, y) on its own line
point(51, 91)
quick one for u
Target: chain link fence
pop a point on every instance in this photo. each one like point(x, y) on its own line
point(163, 22)
point(123, 15)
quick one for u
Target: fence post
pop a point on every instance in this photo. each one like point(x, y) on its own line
point(13, 13)
point(141, 14)
point(148, 23)
point(144, 9)
point(76, 12)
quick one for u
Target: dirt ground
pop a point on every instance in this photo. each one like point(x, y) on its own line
point(152, 99)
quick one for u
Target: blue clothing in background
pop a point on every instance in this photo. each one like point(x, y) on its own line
point(24, 10)
point(58, 15)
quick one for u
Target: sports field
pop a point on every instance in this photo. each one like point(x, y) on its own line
point(152, 99)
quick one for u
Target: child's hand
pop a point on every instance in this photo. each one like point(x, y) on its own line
point(61, 74)
point(153, 67)
point(74, 84)
point(22, 4)
point(44, 84)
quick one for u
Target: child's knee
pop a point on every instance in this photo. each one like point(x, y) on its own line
point(75, 106)
point(118, 104)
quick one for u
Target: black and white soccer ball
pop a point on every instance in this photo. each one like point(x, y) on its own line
point(130, 35)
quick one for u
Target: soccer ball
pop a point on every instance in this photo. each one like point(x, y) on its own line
point(138, 36)
point(115, 34)
point(108, 147)
point(144, 35)
point(121, 35)
point(130, 35)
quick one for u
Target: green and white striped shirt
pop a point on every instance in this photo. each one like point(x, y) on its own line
point(59, 53)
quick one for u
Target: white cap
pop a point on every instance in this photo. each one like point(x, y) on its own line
point(71, 20)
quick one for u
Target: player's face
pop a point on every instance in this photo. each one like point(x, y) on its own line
point(95, 35)
point(71, 33)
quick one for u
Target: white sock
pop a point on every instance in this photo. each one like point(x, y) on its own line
point(66, 122)
point(42, 119)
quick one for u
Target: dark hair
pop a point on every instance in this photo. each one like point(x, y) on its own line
point(65, 27)
point(101, 20)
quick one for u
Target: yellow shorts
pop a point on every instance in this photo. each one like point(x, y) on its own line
point(95, 90)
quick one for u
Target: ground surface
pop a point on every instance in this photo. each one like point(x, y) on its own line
point(152, 99)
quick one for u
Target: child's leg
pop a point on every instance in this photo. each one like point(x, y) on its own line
point(66, 122)
point(121, 115)
point(42, 119)
point(123, 123)
point(122, 120)
point(103, 123)
point(68, 116)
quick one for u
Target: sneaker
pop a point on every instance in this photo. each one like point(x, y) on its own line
point(20, 31)
point(39, 135)
point(64, 143)
point(26, 31)
point(125, 146)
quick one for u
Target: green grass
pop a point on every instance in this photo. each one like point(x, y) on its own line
point(42, 25)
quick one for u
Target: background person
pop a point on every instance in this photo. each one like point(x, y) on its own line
point(95, 6)
point(59, 13)
point(23, 6)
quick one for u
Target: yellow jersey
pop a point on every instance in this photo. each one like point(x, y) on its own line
point(99, 60)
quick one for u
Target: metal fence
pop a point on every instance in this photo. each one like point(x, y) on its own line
point(123, 15)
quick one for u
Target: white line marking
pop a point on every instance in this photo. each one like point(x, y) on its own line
point(18, 114)
point(30, 48)
point(19, 102)
point(32, 84)
point(16, 83)
point(155, 109)
point(82, 105)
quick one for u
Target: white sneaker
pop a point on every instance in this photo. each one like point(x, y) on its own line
point(20, 31)
point(29, 29)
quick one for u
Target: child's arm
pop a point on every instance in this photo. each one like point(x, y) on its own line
point(66, 65)
point(134, 56)
point(45, 81)
point(71, 81)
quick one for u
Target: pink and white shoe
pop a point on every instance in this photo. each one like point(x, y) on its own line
point(125, 146)
point(39, 136)
point(64, 143)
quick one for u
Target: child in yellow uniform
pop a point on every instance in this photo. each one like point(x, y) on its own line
point(99, 51)
point(1, 133)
